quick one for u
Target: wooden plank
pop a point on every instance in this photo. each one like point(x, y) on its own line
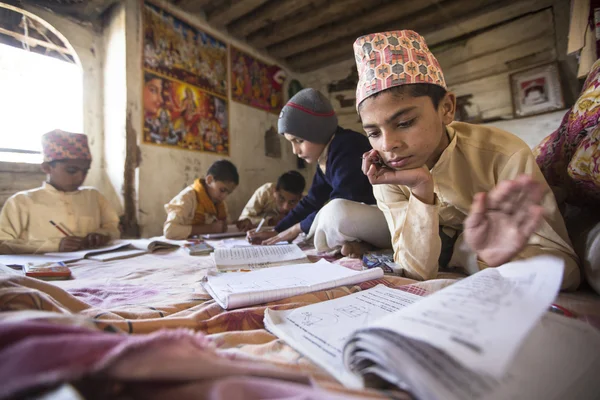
point(321, 13)
point(502, 37)
point(534, 51)
point(352, 27)
point(33, 42)
point(484, 19)
point(423, 22)
point(226, 13)
point(274, 10)
point(193, 6)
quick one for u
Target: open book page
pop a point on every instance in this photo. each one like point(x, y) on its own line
point(256, 256)
point(117, 255)
point(559, 359)
point(233, 242)
point(319, 331)
point(155, 243)
point(81, 254)
point(239, 289)
point(35, 259)
point(482, 320)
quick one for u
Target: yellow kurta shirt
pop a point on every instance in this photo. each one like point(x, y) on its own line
point(181, 211)
point(25, 219)
point(261, 205)
point(476, 160)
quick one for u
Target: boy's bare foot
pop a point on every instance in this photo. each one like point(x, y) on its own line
point(355, 249)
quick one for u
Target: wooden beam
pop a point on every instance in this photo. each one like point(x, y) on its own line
point(352, 27)
point(499, 38)
point(321, 13)
point(272, 11)
point(35, 42)
point(193, 6)
point(422, 21)
point(485, 18)
point(226, 13)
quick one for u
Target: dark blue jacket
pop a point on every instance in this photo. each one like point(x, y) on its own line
point(343, 180)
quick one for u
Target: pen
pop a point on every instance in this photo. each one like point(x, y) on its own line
point(59, 228)
point(262, 221)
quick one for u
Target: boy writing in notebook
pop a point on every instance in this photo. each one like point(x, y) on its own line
point(339, 211)
point(272, 201)
point(453, 194)
point(81, 217)
point(200, 208)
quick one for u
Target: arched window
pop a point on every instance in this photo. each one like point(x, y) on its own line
point(40, 84)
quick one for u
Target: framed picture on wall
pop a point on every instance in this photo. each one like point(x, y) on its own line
point(536, 91)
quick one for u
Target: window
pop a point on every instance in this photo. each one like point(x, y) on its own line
point(39, 91)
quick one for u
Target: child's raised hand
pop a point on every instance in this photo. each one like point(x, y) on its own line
point(501, 222)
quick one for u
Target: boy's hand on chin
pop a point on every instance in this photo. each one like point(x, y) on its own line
point(501, 222)
point(419, 180)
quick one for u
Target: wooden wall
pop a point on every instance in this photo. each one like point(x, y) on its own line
point(15, 177)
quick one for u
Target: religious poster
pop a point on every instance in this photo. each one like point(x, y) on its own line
point(178, 114)
point(185, 85)
point(177, 50)
point(255, 83)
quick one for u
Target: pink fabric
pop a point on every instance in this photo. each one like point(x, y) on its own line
point(184, 362)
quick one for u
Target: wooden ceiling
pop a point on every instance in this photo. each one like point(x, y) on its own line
point(309, 34)
point(306, 35)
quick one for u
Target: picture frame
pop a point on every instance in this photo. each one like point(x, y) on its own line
point(536, 91)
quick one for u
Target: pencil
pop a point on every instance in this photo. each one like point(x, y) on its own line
point(66, 229)
point(262, 221)
point(59, 228)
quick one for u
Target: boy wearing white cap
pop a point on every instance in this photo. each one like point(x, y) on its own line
point(60, 215)
point(453, 194)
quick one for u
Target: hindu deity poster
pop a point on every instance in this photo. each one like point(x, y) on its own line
point(178, 50)
point(185, 85)
point(178, 114)
point(255, 83)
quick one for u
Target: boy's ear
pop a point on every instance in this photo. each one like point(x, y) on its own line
point(209, 179)
point(46, 168)
point(448, 107)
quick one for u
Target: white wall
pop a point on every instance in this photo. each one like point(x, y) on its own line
point(89, 48)
point(532, 129)
point(163, 171)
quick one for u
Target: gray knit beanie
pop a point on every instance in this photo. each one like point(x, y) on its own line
point(308, 115)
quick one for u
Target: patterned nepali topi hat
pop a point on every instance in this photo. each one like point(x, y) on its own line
point(61, 145)
point(395, 58)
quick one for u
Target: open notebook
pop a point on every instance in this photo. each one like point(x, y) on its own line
point(486, 336)
point(240, 289)
point(117, 249)
point(256, 257)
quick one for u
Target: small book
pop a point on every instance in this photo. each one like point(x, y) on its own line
point(486, 336)
point(116, 254)
point(198, 249)
point(256, 257)
point(224, 235)
point(48, 271)
point(240, 289)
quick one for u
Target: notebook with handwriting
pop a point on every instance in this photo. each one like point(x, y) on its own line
point(240, 289)
point(486, 336)
point(256, 257)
